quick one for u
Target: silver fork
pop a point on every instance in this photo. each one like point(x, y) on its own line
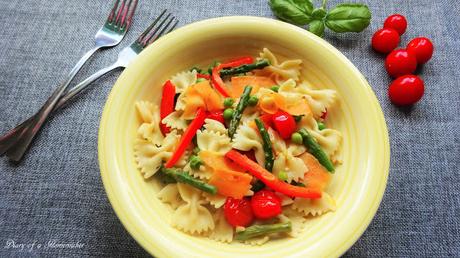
point(163, 24)
point(109, 35)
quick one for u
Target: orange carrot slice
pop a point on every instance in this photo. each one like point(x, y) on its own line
point(193, 102)
point(239, 82)
point(210, 96)
point(231, 183)
point(271, 102)
point(297, 108)
point(317, 176)
point(201, 95)
point(216, 161)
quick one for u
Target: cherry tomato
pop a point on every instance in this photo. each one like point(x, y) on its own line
point(397, 22)
point(267, 120)
point(422, 48)
point(238, 212)
point(217, 115)
point(406, 90)
point(265, 204)
point(385, 40)
point(400, 62)
point(284, 123)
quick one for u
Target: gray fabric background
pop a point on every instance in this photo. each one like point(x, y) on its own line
point(56, 193)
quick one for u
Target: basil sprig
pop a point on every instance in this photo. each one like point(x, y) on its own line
point(342, 18)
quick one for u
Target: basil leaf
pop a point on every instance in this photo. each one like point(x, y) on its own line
point(318, 14)
point(348, 18)
point(316, 27)
point(305, 5)
point(293, 11)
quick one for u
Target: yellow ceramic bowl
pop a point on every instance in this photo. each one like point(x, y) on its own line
point(358, 185)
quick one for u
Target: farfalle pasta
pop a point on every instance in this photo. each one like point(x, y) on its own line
point(247, 139)
point(242, 154)
point(175, 121)
point(192, 216)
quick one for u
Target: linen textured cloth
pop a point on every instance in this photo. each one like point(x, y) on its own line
point(56, 195)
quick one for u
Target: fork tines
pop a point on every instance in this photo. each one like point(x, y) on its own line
point(154, 31)
point(122, 13)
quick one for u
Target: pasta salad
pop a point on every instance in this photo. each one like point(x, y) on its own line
point(241, 149)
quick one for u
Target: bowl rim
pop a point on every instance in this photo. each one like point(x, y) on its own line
point(152, 248)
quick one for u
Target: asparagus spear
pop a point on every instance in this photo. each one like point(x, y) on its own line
point(245, 68)
point(267, 145)
point(197, 69)
point(316, 150)
point(242, 104)
point(184, 177)
point(259, 230)
point(165, 178)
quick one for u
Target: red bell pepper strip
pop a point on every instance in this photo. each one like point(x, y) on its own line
point(270, 179)
point(242, 59)
point(204, 76)
point(217, 115)
point(187, 137)
point(167, 104)
point(217, 81)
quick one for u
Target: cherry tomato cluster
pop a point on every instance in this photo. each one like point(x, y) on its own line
point(264, 204)
point(407, 88)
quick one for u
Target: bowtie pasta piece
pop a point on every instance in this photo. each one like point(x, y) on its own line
point(212, 125)
point(286, 159)
point(212, 141)
point(183, 80)
point(170, 194)
point(150, 156)
point(280, 72)
point(223, 232)
point(216, 200)
point(246, 139)
point(174, 121)
point(329, 139)
point(315, 207)
point(150, 127)
point(318, 100)
point(296, 218)
point(192, 217)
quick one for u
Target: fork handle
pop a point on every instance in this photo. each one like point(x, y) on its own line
point(26, 136)
point(84, 84)
point(11, 137)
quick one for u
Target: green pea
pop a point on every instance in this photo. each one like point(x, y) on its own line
point(195, 162)
point(275, 88)
point(253, 101)
point(228, 102)
point(296, 138)
point(282, 175)
point(200, 80)
point(321, 126)
point(228, 114)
